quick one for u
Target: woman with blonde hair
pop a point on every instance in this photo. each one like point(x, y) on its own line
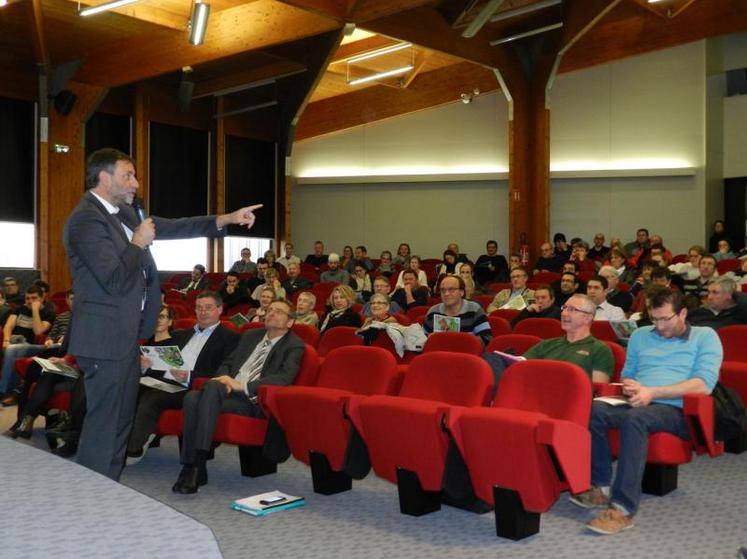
point(341, 301)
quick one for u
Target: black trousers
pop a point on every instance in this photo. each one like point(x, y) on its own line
point(150, 404)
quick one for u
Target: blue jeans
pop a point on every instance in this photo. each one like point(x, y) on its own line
point(635, 425)
point(8, 376)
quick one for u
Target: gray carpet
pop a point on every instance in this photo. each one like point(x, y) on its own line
point(705, 518)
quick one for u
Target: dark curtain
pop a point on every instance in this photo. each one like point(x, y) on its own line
point(16, 160)
point(108, 131)
point(251, 179)
point(178, 173)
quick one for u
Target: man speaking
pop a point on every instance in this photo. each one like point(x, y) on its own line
point(118, 297)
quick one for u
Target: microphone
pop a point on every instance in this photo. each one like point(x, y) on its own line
point(137, 205)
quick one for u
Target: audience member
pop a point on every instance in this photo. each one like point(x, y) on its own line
point(619, 262)
point(641, 243)
point(414, 265)
point(542, 307)
point(724, 251)
point(491, 266)
point(719, 234)
point(231, 292)
point(196, 282)
point(289, 257)
point(578, 255)
point(266, 297)
point(514, 261)
point(346, 259)
point(664, 362)
point(460, 256)
point(382, 286)
point(385, 267)
point(272, 263)
point(689, 270)
point(244, 265)
point(596, 290)
point(361, 255)
point(411, 294)
point(295, 281)
point(565, 287)
point(335, 273)
point(578, 346)
point(341, 313)
point(305, 314)
point(721, 308)
point(270, 355)
point(317, 258)
point(449, 264)
point(379, 310)
point(456, 313)
point(471, 287)
point(643, 279)
point(259, 277)
point(615, 296)
point(598, 252)
point(518, 297)
point(548, 261)
point(697, 289)
point(5, 309)
point(13, 295)
point(360, 282)
point(203, 347)
point(403, 256)
point(272, 280)
point(562, 250)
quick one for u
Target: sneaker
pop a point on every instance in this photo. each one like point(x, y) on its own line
point(611, 521)
point(135, 457)
point(594, 498)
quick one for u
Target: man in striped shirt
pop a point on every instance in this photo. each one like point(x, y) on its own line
point(455, 313)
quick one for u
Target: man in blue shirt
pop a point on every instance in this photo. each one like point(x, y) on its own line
point(665, 361)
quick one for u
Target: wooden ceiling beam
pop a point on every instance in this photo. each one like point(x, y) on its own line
point(149, 13)
point(275, 70)
point(247, 27)
point(336, 9)
point(367, 10)
point(349, 50)
point(37, 29)
point(371, 104)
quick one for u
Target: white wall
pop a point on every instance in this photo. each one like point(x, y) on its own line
point(380, 216)
point(735, 136)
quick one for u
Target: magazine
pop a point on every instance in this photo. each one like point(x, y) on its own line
point(623, 328)
point(239, 319)
point(64, 369)
point(163, 358)
point(443, 323)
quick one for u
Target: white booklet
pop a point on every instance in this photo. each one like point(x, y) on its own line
point(509, 358)
point(63, 369)
point(163, 358)
point(159, 384)
point(266, 503)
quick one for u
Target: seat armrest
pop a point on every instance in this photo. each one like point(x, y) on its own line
point(448, 417)
point(571, 445)
point(352, 410)
point(266, 398)
point(198, 383)
point(607, 389)
point(700, 418)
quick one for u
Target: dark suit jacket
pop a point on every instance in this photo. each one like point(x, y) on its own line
point(219, 345)
point(111, 275)
point(281, 366)
point(298, 284)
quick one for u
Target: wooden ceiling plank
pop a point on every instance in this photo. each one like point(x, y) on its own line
point(337, 9)
point(356, 48)
point(275, 70)
point(166, 51)
point(367, 10)
point(149, 13)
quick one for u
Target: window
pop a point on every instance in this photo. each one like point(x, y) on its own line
point(232, 249)
point(18, 252)
point(180, 255)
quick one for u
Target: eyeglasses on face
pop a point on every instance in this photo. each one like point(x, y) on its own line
point(661, 319)
point(573, 309)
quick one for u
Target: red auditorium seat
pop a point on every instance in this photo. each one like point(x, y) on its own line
point(602, 330)
point(230, 325)
point(508, 314)
point(499, 326)
point(405, 441)
point(314, 418)
point(734, 375)
point(308, 333)
point(484, 300)
point(338, 336)
point(417, 314)
point(545, 328)
point(728, 265)
point(248, 433)
point(545, 277)
point(519, 343)
point(734, 340)
point(618, 352)
point(539, 442)
point(184, 323)
point(457, 342)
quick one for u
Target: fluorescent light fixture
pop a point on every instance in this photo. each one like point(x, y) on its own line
point(401, 170)
point(530, 33)
point(482, 18)
point(198, 22)
point(379, 52)
point(380, 75)
point(3, 3)
point(105, 7)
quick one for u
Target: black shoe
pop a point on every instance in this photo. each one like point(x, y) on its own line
point(65, 449)
point(25, 428)
point(190, 479)
point(63, 425)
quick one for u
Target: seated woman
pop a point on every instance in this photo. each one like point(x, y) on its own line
point(346, 260)
point(618, 261)
point(403, 256)
point(360, 282)
point(272, 262)
point(414, 265)
point(272, 281)
point(472, 288)
point(449, 265)
point(305, 313)
point(386, 266)
point(379, 310)
point(724, 251)
point(341, 301)
point(266, 296)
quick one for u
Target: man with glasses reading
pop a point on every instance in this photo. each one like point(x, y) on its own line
point(455, 313)
point(269, 355)
point(578, 346)
point(665, 362)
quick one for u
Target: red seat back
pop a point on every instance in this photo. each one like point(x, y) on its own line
point(499, 325)
point(602, 330)
point(728, 265)
point(519, 343)
point(359, 369)
point(453, 378)
point(545, 328)
point(618, 352)
point(308, 333)
point(184, 323)
point(417, 314)
point(548, 387)
point(508, 314)
point(459, 342)
point(734, 338)
point(309, 371)
point(338, 336)
point(484, 300)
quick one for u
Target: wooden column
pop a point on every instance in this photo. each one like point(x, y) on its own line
point(141, 147)
point(62, 181)
point(218, 193)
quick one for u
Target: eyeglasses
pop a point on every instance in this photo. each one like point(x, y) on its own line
point(571, 309)
point(521, 276)
point(277, 310)
point(449, 289)
point(660, 319)
point(205, 309)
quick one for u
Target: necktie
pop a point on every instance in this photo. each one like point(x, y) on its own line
point(253, 366)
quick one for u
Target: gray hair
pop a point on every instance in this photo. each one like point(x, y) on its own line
point(333, 257)
point(727, 284)
point(610, 270)
point(588, 305)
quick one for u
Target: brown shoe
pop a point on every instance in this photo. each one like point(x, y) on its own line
point(9, 400)
point(594, 498)
point(611, 521)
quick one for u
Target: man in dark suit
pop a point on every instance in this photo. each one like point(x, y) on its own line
point(117, 297)
point(203, 348)
point(196, 282)
point(270, 355)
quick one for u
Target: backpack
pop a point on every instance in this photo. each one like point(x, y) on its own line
point(729, 413)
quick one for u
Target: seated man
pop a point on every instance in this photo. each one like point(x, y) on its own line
point(245, 264)
point(269, 355)
point(231, 293)
point(596, 289)
point(697, 289)
point(721, 308)
point(361, 257)
point(5, 309)
point(32, 319)
point(305, 313)
point(615, 296)
point(659, 276)
point(258, 278)
point(543, 306)
point(578, 346)
point(272, 281)
point(548, 261)
point(565, 288)
point(382, 286)
point(561, 246)
point(665, 362)
point(640, 244)
point(689, 270)
point(598, 252)
point(518, 297)
point(289, 258)
point(13, 295)
point(317, 258)
point(456, 312)
point(203, 348)
point(295, 281)
point(335, 273)
point(491, 266)
point(196, 282)
point(412, 294)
